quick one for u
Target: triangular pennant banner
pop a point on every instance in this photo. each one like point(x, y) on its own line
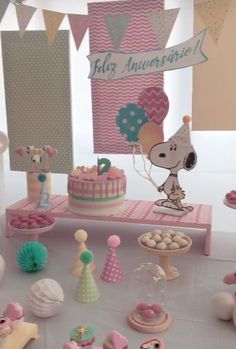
point(3, 6)
point(52, 22)
point(24, 15)
point(117, 26)
point(79, 25)
point(162, 23)
point(213, 14)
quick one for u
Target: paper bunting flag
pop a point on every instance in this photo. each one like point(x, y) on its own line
point(117, 25)
point(213, 14)
point(24, 15)
point(79, 25)
point(52, 22)
point(162, 23)
point(3, 6)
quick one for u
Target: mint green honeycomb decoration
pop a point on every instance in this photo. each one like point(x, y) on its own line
point(32, 256)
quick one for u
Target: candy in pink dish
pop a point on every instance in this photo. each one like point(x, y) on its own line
point(32, 224)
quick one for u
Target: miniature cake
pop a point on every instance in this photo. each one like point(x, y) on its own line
point(167, 240)
point(94, 192)
point(83, 336)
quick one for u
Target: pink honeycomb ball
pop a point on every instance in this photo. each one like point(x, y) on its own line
point(44, 223)
point(113, 241)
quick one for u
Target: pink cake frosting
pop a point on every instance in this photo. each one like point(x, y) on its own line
point(95, 192)
point(14, 311)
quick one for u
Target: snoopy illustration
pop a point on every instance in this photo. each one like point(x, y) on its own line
point(175, 154)
point(153, 344)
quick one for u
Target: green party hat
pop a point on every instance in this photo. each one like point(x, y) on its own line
point(87, 290)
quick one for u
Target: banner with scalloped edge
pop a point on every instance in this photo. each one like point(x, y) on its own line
point(52, 22)
point(213, 14)
point(3, 7)
point(162, 23)
point(115, 65)
point(24, 15)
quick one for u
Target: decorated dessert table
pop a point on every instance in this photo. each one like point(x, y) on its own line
point(135, 211)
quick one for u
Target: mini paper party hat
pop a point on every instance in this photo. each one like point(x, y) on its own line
point(182, 136)
point(87, 290)
point(77, 267)
point(112, 271)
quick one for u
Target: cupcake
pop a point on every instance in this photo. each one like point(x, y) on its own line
point(83, 335)
point(5, 329)
point(15, 313)
point(115, 341)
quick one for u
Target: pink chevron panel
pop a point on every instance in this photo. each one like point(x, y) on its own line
point(109, 96)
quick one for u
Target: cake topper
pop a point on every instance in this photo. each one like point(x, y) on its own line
point(174, 155)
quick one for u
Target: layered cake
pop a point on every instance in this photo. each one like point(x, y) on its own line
point(95, 191)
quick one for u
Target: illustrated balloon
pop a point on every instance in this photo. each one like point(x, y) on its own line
point(155, 103)
point(129, 120)
point(3, 142)
point(149, 135)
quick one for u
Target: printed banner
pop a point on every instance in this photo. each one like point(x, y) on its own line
point(24, 15)
point(162, 23)
point(52, 22)
point(113, 65)
point(3, 7)
point(116, 26)
point(79, 24)
point(213, 14)
point(109, 97)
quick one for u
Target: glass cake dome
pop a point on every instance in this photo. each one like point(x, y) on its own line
point(148, 284)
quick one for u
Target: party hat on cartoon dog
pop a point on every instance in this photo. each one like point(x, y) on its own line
point(182, 136)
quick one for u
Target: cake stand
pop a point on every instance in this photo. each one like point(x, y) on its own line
point(32, 234)
point(165, 257)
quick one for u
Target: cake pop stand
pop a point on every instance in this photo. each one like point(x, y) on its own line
point(165, 257)
point(32, 234)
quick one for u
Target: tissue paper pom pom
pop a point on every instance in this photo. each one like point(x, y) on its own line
point(32, 256)
point(186, 119)
point(45, 298)
point(86, 257)
point(113, 241)
point(42, 177)
point(81, 235)
point(223, 304)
